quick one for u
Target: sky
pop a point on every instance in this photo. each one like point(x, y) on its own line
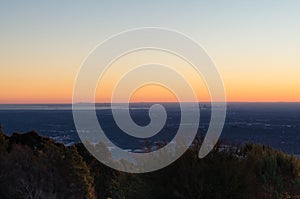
point(254, 44)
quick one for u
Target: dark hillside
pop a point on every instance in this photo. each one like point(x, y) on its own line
point(32, 166)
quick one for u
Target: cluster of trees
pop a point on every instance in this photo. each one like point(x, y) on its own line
point(35, 167)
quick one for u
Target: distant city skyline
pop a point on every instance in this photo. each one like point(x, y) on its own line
point(254, 44)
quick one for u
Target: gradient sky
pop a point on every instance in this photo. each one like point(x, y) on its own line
point(255, 44)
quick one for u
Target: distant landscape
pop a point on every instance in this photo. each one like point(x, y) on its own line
point(274, 124)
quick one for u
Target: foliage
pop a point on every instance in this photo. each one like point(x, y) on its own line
point(278, 173)
point(32, 166)
point(36, 167)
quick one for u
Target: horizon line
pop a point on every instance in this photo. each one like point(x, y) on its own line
point(149, 102)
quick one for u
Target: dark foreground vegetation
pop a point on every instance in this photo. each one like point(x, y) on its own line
point(35, 167)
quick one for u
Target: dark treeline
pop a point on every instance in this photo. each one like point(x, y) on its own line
point(35, 167)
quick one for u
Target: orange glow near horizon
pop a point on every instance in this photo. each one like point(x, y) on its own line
point(142, 94)
point(61, 92)
point(49, 86)
point(152, 92)
point(234, 94)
